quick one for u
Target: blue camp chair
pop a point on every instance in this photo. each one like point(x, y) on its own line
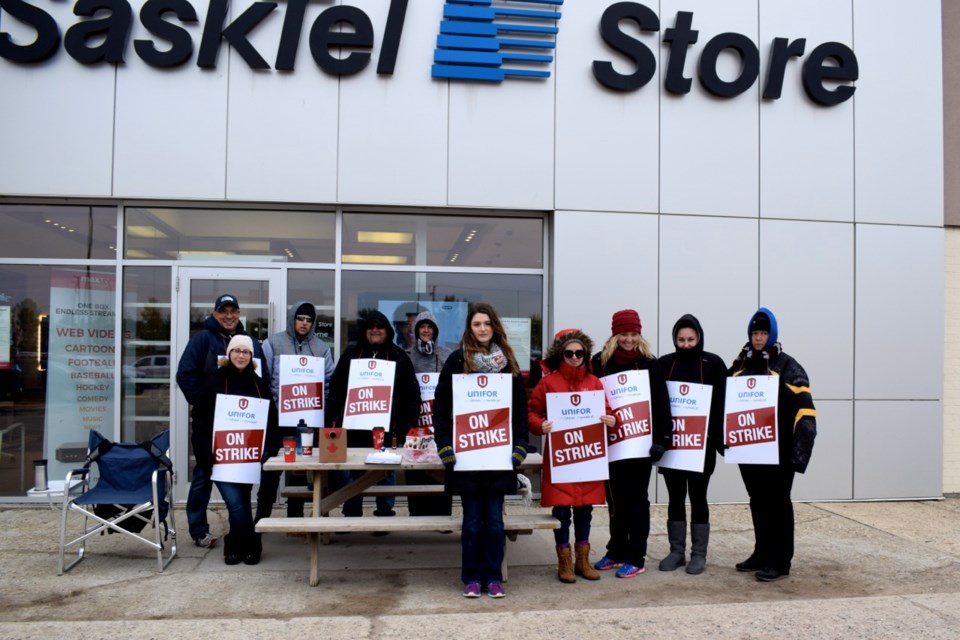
point(134, 490)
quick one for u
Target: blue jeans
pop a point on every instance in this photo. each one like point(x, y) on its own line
point(482, 539)
point(239, 512)
point(582, 517)
point(197, 500)
point(353, 508)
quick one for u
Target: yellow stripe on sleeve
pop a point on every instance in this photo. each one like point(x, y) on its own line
point(798, 389)
point(802, 414)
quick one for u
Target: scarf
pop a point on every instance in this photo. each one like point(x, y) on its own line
point(622, 357)
point(492, 362)
point(573, 375)
point(426, 348)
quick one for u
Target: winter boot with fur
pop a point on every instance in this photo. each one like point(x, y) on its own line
point(565, 564)
point(699, 537)
point(583, 566)
point(677, 535)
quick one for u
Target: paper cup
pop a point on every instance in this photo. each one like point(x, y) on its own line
point(306, 441)
point(289, 449)
point(378, 438)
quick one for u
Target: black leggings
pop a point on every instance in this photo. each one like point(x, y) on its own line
point(679, 483)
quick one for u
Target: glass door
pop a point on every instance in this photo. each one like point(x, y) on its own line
point(261, 294)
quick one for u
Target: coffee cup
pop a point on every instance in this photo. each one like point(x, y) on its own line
point(289, 449)
point(306, 441)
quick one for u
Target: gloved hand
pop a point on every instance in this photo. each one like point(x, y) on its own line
point(519, 455)
point(447, 457)
point(657, 451)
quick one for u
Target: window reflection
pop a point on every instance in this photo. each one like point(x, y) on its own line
point(55, 231)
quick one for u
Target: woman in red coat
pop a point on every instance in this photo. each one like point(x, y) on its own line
point(567, 367)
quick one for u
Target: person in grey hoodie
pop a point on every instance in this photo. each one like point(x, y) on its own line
point(299, 339)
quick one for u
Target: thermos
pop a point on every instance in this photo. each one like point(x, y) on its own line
point(40, 475)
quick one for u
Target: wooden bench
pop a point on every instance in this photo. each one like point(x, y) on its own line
point(375, 490)
point(513, 525)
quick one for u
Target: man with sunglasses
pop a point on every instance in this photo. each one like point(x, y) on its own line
point(199, 360)
point(375, 339)
point(299, 339)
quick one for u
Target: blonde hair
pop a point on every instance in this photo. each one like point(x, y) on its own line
point(613, 342)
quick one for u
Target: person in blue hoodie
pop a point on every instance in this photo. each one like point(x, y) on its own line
point(769, 485)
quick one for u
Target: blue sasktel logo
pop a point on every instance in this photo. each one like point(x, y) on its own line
point(477, 38)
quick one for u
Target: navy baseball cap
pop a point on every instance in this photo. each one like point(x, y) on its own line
point(225, 300)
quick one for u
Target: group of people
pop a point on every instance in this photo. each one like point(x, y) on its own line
point(222, 359)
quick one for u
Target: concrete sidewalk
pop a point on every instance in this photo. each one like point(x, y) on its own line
point(862, 570)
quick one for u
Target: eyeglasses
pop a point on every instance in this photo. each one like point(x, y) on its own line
point(569, 353)
point(304, 319)
point(375, 326)
point(242, 352)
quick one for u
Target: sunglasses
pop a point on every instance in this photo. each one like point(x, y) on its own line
point(304, 318)
point(375, 326)
point(570, 353)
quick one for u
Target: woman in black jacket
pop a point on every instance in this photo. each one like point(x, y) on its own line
point(627, 489)
point(690, 363)
point(483, 349)
point(235, 377)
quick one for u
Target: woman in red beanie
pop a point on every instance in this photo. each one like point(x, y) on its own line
point(567, 365)
point(627, 497)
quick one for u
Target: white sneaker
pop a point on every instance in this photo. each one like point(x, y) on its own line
point(207, 541)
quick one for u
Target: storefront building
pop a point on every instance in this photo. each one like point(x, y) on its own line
point(682, 156)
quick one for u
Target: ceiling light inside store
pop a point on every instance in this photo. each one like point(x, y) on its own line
point(361, 259)
point(385, 237)
point(144, 231)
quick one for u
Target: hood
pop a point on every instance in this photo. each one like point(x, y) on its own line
point(554, 354)
point(426, 316)
point(688, 321)
point(293, 314)
point(772, 339)
point(368, 317)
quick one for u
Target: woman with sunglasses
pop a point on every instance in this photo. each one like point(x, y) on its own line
point(483, 349)
point(627, 488)
point(236, 376)
point(568, 371)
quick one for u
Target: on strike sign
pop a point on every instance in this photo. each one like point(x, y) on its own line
point(750, 420)
point(239, 426)
point(482, 435)
point(577, 444)
point(628, 393)
point(301, 390)
point(690, 408)
point(428, 390)
point(369, 394)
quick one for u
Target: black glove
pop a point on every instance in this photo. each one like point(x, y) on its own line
point(657, 451)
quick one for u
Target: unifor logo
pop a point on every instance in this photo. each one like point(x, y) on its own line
point(425, 378)
point(482, 382)
point(575, 399)
point(751, 383)
point(244, 403)
point(372, 364)
point(483, 40)
point(684, 389)
point(303, 361)
point(622, 378)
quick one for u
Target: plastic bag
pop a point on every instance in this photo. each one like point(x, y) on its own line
point(420, 446)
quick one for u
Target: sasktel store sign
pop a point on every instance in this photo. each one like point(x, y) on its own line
point(679, 156)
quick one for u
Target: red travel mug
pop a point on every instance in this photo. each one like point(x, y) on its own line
point(289, 449)
point(378, 438)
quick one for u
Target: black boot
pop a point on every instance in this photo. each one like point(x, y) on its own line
point(254, 549)
point(677, 535)
point(699, 538)
point(232, 553)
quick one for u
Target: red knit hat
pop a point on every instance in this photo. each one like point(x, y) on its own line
point(625, 321)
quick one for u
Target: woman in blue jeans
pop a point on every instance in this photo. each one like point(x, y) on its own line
point(235, 377)
point(483, 349)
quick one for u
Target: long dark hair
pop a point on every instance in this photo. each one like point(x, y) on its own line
point(471, 346)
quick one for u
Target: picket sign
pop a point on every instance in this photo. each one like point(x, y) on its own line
point(750, 420)
point(482, 434)
point(239, 429)
point(690, 409)
point(369, 394)
point(628, 393)
point(576, 446)
point(301, 390)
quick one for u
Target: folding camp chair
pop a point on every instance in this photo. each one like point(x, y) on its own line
point(134, 490)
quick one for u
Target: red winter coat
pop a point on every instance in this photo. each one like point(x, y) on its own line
point(565, 494)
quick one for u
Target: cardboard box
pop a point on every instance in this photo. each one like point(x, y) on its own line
point(333, 445)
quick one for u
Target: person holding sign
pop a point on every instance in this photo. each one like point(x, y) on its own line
point(769, 485)
point(567, 362)
point(627, 488)
point(697, 435)
point(375, 342)
point(235, 377)
point(299, 339)
point(482, 438)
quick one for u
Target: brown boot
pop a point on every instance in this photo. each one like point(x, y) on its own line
point(583, 567)
point(565, 564)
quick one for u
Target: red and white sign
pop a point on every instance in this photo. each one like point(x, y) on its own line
point(750, 420)
point(301, 390)
point(369, 394)
point(239, 428)
point(690, 408)
point(428, 390)
point(482, 434)
point(576, 446)
point(628, 393)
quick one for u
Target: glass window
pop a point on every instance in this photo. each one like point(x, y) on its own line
point(319, 287)
point(145, 409)
point(443, 241)
point(226, 235)
point(518, 299)
point(57, 349)
point(53, 231)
